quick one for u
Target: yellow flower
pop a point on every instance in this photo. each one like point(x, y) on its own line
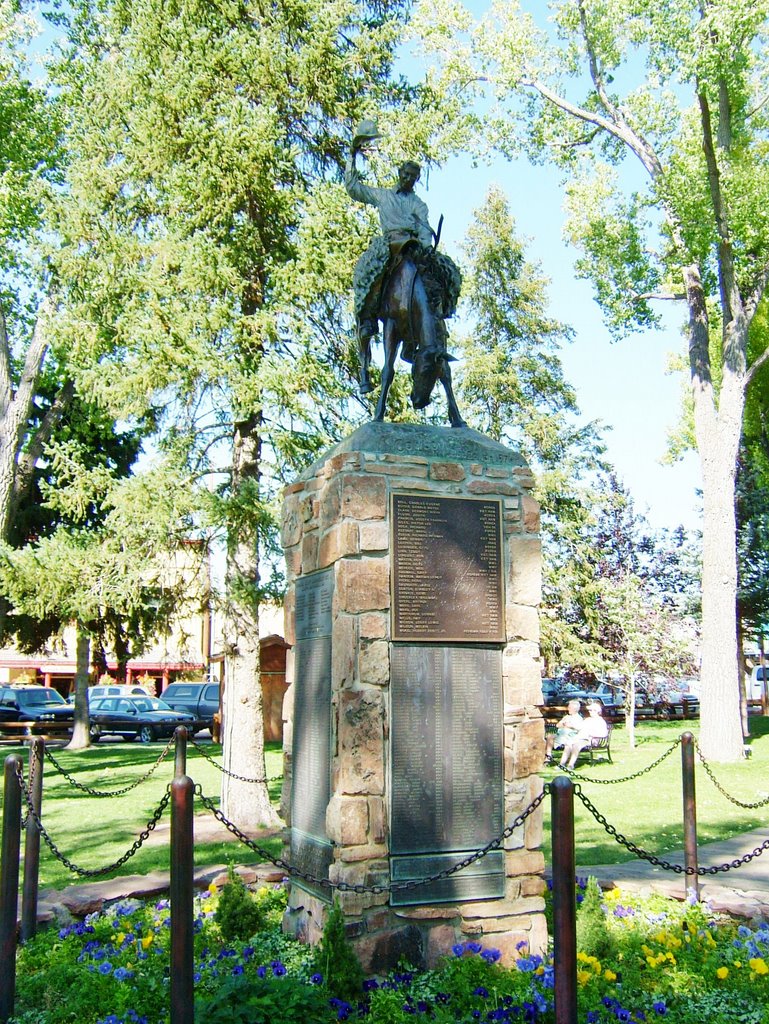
point(758, 964)
point(540, 970)
point(212, 889)
point(609, 975)
point(651, 961)
point(583, 977)
point(147, 941)
point(722, 972)
point(738, 963)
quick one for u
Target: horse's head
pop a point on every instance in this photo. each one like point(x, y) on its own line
point(425, 371)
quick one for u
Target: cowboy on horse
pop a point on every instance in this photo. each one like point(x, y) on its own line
point(406, 234)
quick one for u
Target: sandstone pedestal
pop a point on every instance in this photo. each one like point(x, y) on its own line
point(338, 541)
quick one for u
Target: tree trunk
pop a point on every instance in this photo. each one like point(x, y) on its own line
point(718, 436)
point(81, 737)
point(247, 804)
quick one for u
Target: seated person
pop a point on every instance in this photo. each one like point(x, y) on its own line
point(566, 730)
point(593, 727)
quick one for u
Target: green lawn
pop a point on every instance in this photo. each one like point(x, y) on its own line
point(649, 810)
point(94, 832)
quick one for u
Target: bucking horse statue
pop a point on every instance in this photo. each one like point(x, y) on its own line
point(406, 283)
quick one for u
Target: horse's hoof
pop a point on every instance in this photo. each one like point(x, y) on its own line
point(458, 423)
point(366, 387)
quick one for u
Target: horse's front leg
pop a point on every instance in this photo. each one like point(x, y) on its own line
point(455, 417)
point(364, 343)
point(388, 371)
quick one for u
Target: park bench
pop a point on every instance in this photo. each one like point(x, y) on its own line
point(599, 749)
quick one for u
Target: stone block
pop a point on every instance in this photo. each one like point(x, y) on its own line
point(530, 509)
point(447, 471)
point(330, 504)
point(377, 816)
point(293, 558)
point(288, 616)
point(399, 469)
point(406, 460)
point(524, 862)
point(375, 663)
point(361, 743)
point(338, 541)
point(491, 487)
point(309, 552)
point(363, 496)
point(344, 651)
point(373, 626)
point(525, 573)
point(528, 747)
point(345, 460)
point(374, 536)
point(440, 939)
point(521, 674)
point(363, 585)
point(347, 820)
point(522, 622)
point(382, 951)
point(366, 852)
point(533, 887)
point(292, 525)
point(498, 472)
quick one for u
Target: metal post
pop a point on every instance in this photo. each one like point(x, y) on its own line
point(564, 901)
point(9, 884)
point(690, 814)
point(32, 841)
point(180, 762)
point(182, 941)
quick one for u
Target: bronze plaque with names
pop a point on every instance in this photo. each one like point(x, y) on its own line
point(446, 765)
point(311, 850)
point(447, 579)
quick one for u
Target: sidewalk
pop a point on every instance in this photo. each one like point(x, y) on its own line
point(742, 891)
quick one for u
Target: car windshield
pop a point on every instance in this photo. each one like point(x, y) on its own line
point(43, 695)
point(150, 704)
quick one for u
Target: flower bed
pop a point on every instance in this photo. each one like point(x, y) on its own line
point(639, 961)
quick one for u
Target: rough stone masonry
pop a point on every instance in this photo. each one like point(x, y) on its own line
point(336, 520)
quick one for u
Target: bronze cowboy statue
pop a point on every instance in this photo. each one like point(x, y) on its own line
point(406, 283)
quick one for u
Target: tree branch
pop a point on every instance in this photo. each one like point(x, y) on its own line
point(6, 392)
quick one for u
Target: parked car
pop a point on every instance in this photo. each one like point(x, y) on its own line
point(116, 690)
point(37, 709)
point(201, 700)
point(134, 718)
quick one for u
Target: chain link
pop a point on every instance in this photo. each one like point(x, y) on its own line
point(376, 890)
point(225, 771)
point(626, 778)
point(720, 788)
point(114, 792)
point(91, 872)
point(666, 865)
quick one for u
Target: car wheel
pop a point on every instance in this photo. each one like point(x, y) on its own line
point(94, 731)
point(146, 734)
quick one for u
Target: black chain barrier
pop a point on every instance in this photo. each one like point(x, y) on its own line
point(225, 771)
point(720, 788)
point(666, 865)
point(91, 872)
point(110, 792)
point(359, 889)
point(626, 778)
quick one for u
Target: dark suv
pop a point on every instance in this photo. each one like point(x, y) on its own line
point(198, 699)
point(34, 709)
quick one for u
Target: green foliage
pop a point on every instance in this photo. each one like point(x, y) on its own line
point(255, 1000)
point(240, 913)
point(335, 959)
point(592, 932)
point(237, 913)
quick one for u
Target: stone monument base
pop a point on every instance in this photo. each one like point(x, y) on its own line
point(413, 563)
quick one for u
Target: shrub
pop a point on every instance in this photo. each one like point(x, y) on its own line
point(238, 914)
point(335, 959)
point(593, 938)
